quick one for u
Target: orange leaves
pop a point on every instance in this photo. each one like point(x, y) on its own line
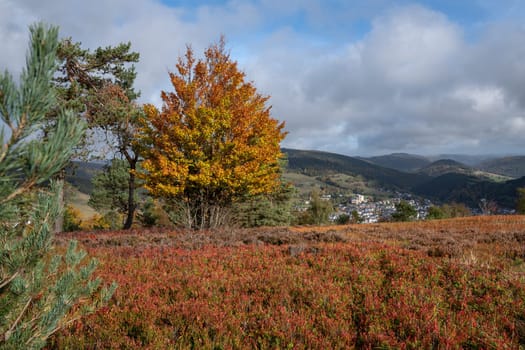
point(214, 133)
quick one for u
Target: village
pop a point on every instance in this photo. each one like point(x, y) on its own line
point(366, 209)
point(370, 211)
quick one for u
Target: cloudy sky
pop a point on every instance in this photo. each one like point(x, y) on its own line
point(360, 77)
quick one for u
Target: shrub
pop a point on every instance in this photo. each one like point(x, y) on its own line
point(72, 221)
point(343, 219)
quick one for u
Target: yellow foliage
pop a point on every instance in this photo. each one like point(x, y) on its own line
point(214, 136)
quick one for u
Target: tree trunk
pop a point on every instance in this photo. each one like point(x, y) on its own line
point(59, 222)
point(131, 196)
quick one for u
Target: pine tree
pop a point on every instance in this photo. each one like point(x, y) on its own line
point(274, 209)
point(40, 288)
point(98, 85)
point(110, 189)
point(520, 201)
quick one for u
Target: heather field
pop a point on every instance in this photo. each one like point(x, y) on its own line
point(451, 284)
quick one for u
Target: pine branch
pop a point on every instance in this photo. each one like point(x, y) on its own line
point(7, 281)
point(23, 188)
point(7, 334)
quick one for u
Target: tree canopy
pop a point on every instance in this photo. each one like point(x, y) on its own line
point(98, 86)
point(404, 212)
point(214, 140)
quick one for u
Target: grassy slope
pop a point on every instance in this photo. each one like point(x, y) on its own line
point(337, 182)
point(79, 201)
point(509, 166)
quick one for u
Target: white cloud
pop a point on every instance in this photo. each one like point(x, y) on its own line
point(413, 83)
point(483, 99)
point(412, 47)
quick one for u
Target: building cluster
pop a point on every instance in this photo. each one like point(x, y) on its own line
point(371, 211)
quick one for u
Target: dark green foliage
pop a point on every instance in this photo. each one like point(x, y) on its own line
point(110, 188)
point(356, 219)
point(446, 211)
point(110, 195)
point(39, 287)
point(343, 219)
point(404, 212)
point(435, 212)
point(82, 72)
point(99, 86)
point(150, 213)
point(269, 210)
point(520, 202)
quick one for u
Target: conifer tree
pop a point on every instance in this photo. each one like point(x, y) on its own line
point(40, 288)
point(520, 201)
point(98, 85)
point(274, 209)
point(110, 189)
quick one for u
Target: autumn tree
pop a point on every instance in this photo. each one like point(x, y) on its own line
point(98, 86)
point(213, 142)
point(41, 288)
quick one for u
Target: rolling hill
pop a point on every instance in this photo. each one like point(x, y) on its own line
point(470, 190)
point(445, 166)
point(509, 166)
point(470, 160)
point(400, 161)
point(317, 163)
point(440, 181)
point(79, 174)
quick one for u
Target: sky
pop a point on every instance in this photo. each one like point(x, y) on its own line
point(360, 77)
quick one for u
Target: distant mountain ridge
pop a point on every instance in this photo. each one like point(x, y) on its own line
point(441, 181)
point(470, 190)
point(321, 163)
point(444, 180)
point(400, 161)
